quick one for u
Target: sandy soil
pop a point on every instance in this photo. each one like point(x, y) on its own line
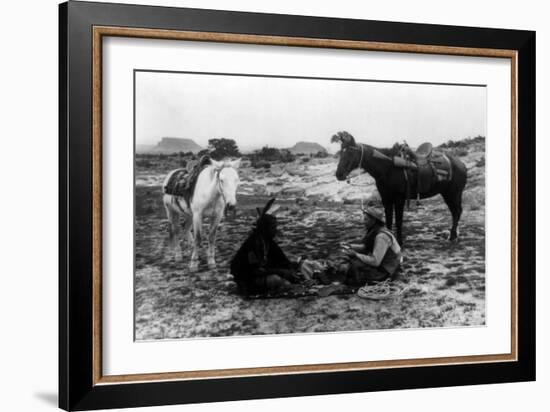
point(445, 282)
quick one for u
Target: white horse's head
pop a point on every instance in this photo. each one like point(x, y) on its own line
point(228, 178)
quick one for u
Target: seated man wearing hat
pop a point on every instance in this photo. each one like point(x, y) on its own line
point(377, 257)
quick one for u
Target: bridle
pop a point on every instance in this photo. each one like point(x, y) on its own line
point(375, 153)
point(220, 187)
point(348, 179)
point(219, 182)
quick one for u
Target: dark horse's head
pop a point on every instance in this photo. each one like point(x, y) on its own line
point(350, 154)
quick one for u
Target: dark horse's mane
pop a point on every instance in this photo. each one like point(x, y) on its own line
point(390, 151)
point(347, 140)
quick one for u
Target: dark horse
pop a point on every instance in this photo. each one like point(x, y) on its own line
point(391, 181)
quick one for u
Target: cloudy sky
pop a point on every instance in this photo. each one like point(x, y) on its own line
point(258, 111)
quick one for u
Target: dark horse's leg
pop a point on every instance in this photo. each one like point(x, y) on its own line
point(388, 209)
point(453, 199)
point(399, 207)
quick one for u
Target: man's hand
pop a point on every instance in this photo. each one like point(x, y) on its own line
point(292, 276)
point(357, 247)
point(348, 251)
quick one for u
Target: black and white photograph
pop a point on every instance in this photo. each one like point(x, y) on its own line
point(280, 205)
point(220, 206)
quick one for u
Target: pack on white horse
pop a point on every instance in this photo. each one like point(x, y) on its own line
point(215, 194)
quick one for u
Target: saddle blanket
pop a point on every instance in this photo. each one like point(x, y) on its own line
point(430, 169)
point(182, 182)
point(441, 166)
point(437, 164)
point(437, 168)
point(315, 280)
point(177, 183)
point(308, 289)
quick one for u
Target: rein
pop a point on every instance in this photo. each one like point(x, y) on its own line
point(375, 153)
point(348, 180)
point(219, 182)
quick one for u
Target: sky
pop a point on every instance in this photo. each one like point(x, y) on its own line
point(278, 112)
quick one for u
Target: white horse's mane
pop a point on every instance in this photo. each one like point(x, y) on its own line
point(220, 164)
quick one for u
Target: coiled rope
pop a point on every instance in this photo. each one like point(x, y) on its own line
point(381, 290)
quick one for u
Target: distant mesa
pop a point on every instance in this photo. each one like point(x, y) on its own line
point(173, 145)
point(307, 148)
point(144, 148)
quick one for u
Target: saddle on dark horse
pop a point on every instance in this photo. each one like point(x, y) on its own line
point(183, 181)
point(431, 166)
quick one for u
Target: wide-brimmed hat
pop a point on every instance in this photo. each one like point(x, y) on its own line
point(374, 213)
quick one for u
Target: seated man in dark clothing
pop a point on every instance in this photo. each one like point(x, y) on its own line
point(379, 255)
point(260, 266)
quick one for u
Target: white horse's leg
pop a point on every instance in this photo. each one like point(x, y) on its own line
point(187, 225)
point(185, 228)
point(173, 227)
point(197, 231)
point(211, 253)
point(186, 231)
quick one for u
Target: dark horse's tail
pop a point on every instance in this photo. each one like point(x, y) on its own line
point(453, 193)
point(460, 173)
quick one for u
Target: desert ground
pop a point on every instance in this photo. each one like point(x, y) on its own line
point(443, 282)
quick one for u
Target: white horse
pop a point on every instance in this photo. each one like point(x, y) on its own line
point(215, 194)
